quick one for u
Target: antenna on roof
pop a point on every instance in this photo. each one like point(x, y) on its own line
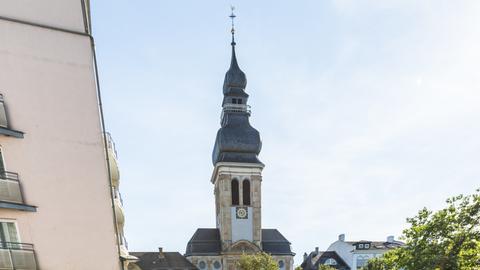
point(232, 16)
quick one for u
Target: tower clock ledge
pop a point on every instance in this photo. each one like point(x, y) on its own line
point(236, 168)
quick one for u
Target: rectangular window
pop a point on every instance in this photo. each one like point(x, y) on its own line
point(360, 246)
point(8, 232)
point(240, 101)
point(234, 100)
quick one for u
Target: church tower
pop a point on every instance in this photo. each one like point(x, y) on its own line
point(237, 178)
point(237, 173)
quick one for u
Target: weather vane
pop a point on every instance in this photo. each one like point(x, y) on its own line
point(232, 16)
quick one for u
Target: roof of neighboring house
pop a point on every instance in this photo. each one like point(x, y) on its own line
point(315, 259)
point(378, 244)
point(207, 242)
point(162, 261)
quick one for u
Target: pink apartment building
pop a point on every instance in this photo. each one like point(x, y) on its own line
point(59, 202)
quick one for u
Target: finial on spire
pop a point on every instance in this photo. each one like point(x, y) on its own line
point(232, 16)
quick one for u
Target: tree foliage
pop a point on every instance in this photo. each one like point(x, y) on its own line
point(259, 261)
point(325, 267)
point(448, 239)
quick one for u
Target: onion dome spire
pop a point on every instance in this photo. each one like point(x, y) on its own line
point(237, 141)
point(234, 78)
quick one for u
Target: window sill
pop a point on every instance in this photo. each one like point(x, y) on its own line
point(18, 206)
point(10, 132)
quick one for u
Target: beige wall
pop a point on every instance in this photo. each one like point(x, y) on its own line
point(47, 80)
point(59, 13)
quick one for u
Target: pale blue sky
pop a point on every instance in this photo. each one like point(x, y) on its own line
point(368, 111)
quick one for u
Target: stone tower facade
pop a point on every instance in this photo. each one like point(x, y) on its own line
point(238, 203)
point(237, 180)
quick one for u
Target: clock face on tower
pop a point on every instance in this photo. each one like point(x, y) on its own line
point(242, 212)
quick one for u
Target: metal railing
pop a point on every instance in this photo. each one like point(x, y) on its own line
point(111, 144)
point(17, 256)
point(236, 108)
point(10, 189)
point(118, 195)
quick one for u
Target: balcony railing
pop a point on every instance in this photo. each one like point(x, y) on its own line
point(111, 144)
point(10, 189)
point(4, 127)
point(17, 256)
point(236, 108)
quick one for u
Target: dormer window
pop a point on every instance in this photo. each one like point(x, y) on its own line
point(360, 246)
point(367, 246)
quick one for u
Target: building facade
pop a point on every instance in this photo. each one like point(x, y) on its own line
point(357, 253)
point(59, 202)
point(237, 180)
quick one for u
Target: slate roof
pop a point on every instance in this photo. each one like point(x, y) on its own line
point(275, 243)
point(313, 262)
point(378, 244)
point(207, 242)
point(237, 140)
point(166, 261)
point(204, 242)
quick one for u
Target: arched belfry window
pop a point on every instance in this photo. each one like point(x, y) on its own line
point(235, 192)
point(246, 192)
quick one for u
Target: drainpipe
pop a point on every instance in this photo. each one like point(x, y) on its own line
point(104, 134)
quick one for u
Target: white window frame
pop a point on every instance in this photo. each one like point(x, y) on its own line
point(3, 220)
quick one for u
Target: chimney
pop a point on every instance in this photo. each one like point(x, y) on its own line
point(390, 239)
point(305, 256)
point(316, 250)
point(341, 237)
point(160, 252)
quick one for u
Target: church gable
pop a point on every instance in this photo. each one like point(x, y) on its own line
point(243, 247)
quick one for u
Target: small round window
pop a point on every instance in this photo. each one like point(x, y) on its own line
point(202, 265)
point(217, 265)
point(281, 264)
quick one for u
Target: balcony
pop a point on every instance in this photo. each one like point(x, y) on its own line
point(11, 196)
point(4, 129)
point(112, 157)
point(17, 256)
point(119, 212)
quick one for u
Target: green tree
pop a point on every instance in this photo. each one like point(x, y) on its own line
point(379, 264)
point(448, 239)
point(259, 261)
point(325, 267)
